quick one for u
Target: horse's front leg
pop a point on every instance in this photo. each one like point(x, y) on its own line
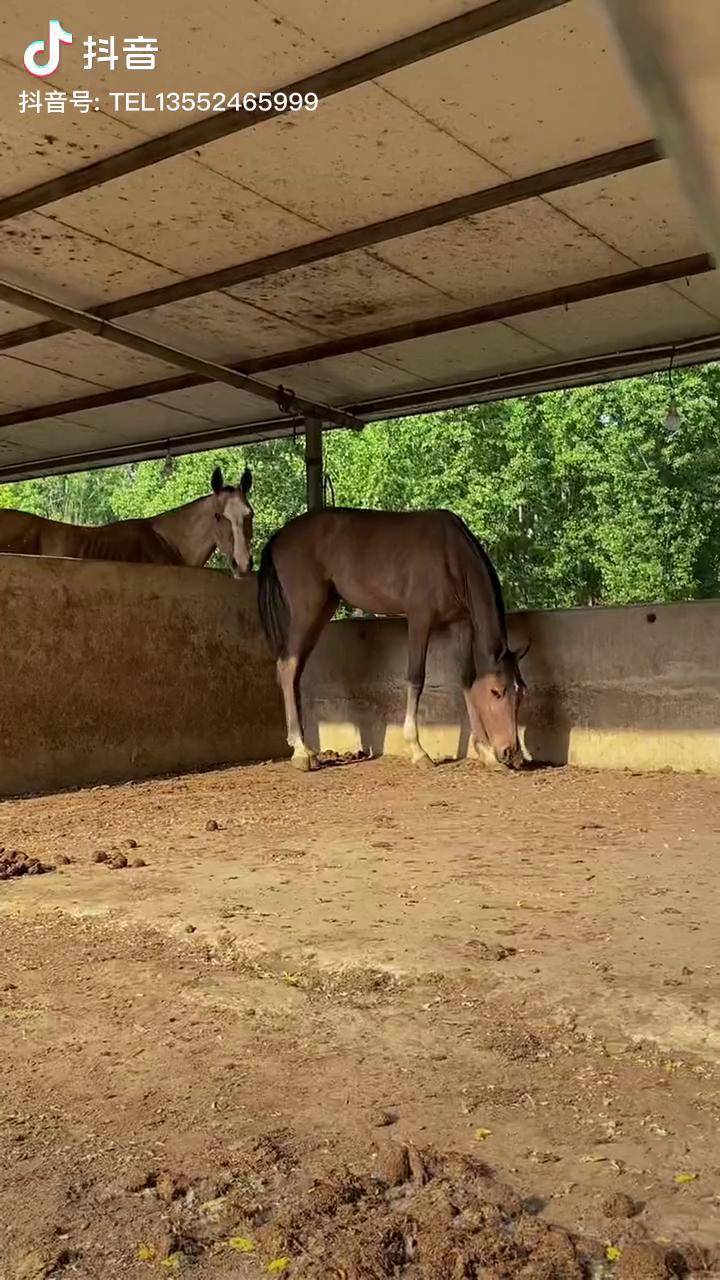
point(478, 737)
point(418, 636)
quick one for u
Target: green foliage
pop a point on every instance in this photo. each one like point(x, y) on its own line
point(580, 496)
point(85, 498)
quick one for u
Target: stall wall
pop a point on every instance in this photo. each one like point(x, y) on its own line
point(113, 671)
point(634, 688)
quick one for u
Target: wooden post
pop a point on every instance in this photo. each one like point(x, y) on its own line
point(314, 464)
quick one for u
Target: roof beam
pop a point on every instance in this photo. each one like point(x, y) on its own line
point(285, 400)
point(672, 58)
point(555, 377)
point(501, 196)
point(489, 313)
point(147, 450)
point(573, 373)
point(481, 21)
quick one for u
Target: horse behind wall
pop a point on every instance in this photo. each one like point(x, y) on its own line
point(187, 535)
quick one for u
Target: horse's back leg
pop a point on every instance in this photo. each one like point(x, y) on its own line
point(289, 679)
point(418, 638)
point(306, 623)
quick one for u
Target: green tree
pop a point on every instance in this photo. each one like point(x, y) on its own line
point(580, 496)
point(83, 498)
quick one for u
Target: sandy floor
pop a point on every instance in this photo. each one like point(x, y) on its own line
point(364, 1023)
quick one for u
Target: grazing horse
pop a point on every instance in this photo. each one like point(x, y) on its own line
point(187, 535)
point(425, 565)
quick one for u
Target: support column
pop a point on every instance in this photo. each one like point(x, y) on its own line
point(314, 464)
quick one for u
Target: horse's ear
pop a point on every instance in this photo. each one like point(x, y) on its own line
point(217, 480)
point(246, 481)
point(522, 653)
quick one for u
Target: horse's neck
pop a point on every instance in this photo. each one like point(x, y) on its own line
point(487, 611)
point(190, 530)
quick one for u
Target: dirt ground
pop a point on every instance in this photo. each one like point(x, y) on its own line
point(365, 1023)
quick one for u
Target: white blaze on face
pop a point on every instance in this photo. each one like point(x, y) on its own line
point(237, 514)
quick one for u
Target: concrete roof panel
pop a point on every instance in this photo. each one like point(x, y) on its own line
point(26, 385)
point(36, 145)
point(658, 314)
point(545, 91)
point(644, 213)
point(75, 268)
point(223, 327)
point(486, 348)
point(360, 157)
point(505, 253)
point(184, 216)
point(90, 360)
point(346, 295)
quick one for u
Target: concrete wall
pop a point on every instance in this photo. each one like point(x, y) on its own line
point(114, 671)
point(609, 688)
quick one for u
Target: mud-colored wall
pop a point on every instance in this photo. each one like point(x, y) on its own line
point(634, 688)
point(114, 671)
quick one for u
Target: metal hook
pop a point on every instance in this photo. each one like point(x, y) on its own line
point(285, 399)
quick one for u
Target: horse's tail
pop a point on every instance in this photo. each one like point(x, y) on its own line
point(273, 607)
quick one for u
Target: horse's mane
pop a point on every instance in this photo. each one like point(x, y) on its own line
point(480, 551)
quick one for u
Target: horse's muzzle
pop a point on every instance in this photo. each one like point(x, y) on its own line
point(237, 571)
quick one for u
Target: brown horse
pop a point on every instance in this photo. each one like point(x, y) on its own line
point(187, 535)
point(426, 566)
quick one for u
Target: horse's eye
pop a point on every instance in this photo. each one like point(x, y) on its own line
point(218, 518)
point(496, 693)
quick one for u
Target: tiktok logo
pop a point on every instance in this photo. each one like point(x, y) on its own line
point(56, 37)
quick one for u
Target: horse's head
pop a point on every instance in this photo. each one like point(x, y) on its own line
point(496, 696)
point(234, 520)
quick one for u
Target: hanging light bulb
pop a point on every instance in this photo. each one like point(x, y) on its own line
point(673, 421)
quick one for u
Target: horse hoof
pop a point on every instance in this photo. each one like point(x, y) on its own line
point(303, 763)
